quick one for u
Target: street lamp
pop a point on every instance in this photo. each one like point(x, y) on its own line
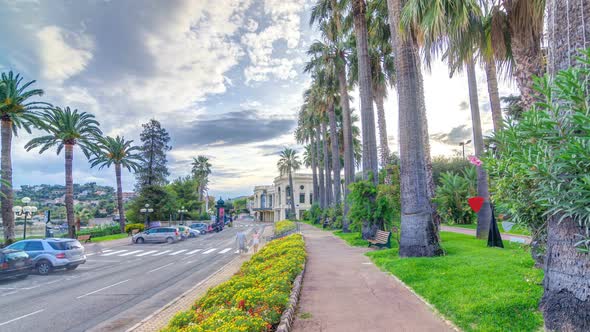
point(26, 211)
point(462, 144)
point(147, 210)
point(182, 211)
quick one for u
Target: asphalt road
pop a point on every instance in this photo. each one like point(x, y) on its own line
point(117, 288)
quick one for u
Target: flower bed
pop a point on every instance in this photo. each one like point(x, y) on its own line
point(284, 226)
point(254, 298)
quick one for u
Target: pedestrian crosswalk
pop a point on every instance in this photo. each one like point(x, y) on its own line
point(155, 253)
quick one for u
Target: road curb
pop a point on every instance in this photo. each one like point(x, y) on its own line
point(286, 322)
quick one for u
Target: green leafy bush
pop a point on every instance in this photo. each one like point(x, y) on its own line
point(314, 214)
point(102, 230)
point(452, 196)
point(284, 226)
point(131, 227)
point(254, 298)
point(454, 165)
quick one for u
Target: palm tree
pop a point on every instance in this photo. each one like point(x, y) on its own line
point(565, 300)
point(287, 164)
point(15, 113)
point(66, 129)
point(455, 27)
point(201, 170)
point(119, 152)
point(305, 134)
point(370, 163)
point(419, 236)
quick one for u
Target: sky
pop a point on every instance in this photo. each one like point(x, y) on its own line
point(224, 77)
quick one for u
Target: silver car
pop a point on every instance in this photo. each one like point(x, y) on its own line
point(158, 234)
point(52, 253)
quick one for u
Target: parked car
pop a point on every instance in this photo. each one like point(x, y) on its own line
point(184, 232)
point(201, 227)
point(158, 234)
point(52, 253)
point(193, 232)
point(15, 264)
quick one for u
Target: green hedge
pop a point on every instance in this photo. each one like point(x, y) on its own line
point(253, 299)
point(101, 231)
point(131, 227)
point(284, 226)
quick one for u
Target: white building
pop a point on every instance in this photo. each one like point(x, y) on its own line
point(272, 202)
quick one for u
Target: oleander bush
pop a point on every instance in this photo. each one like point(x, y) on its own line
point(284, 226)
point(254, 298)
point(130, 227)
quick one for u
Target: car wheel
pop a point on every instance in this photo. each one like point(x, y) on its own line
point(169, 240)
point(70, 268)
point(139, 240)
point(44, 267)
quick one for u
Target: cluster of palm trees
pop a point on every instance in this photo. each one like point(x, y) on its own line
point(378, 44)
point(64, 130)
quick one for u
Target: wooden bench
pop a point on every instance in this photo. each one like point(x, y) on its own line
point(85, 238)
point(382, 239)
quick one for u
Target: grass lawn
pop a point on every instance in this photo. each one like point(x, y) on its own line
point(109, 237)
point(354, 238)
point(516, 230)
point(476, 287)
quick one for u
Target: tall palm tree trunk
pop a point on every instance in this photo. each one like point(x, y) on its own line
point(327, 168)
point(335, 153)
point(378, 96)
point(293, 211)
point(314, 171)
point(566, 300)
point(418, 230)
point(348, 145)
point(370, 160)
point(321, 163)
point(6, 186)
point(70, 190)
point(484, 216)
point(491, 76)
point(120, 198)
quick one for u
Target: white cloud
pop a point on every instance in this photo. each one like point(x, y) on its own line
point(62, 53)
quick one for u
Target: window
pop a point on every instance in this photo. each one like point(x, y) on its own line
point(310, 199)
point(301, 187)
point(65, 245)
point(34, 246)
point(18, 246)
point(301, 198)
point(288, 191)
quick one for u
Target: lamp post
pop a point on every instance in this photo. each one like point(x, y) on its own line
point(462, 144)
point(182, 211)
point(26, 211)
point(146, 211)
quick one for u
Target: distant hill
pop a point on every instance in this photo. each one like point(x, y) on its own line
point(82, 192)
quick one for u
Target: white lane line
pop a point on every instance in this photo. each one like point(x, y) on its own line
point(161, 267)
point(9, 293)
point(90, 254)
point(192, 252)
point(177, 252)
point(115, 252)
point(21, 317)
point(162, 253)
point(224, 251)
point(209, 251)
point(130, 253)
point(147, 253)
point(107, 250)
point(98, 290)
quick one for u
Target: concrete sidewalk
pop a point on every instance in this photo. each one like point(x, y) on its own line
point(344, 291)
point(505, 236)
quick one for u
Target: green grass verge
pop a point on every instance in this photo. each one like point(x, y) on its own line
point(109, 237)
point(476, 287)
point(515, 230)
point(354, 238)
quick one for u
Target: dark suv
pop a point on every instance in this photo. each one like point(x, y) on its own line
point(14, 264)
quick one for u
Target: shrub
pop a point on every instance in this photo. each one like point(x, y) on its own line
point(102, 230)
point(314, 214)
point(284, 226)
point(441, 165)
point(452, 196)
point(131, 227)
point(254, 298)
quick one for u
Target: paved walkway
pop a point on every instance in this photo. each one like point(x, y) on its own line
point(505, 236)
point(344, 291)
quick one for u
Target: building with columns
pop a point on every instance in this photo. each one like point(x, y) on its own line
point(272, 202)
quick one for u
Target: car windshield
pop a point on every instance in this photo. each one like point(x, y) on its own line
point(65, 245)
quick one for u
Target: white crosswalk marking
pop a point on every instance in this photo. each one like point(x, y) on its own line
point(236, 252)
point(146, 253)
point(130, 253)
point(177, 252)
point(115, 252)
point(192, 252)
point(162, 252)
point(209, 251)
point(224, 251)
point(107, 250)
point(90, 254)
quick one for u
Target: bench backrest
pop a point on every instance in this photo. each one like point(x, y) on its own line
point(83, 237)
point(382, 236)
